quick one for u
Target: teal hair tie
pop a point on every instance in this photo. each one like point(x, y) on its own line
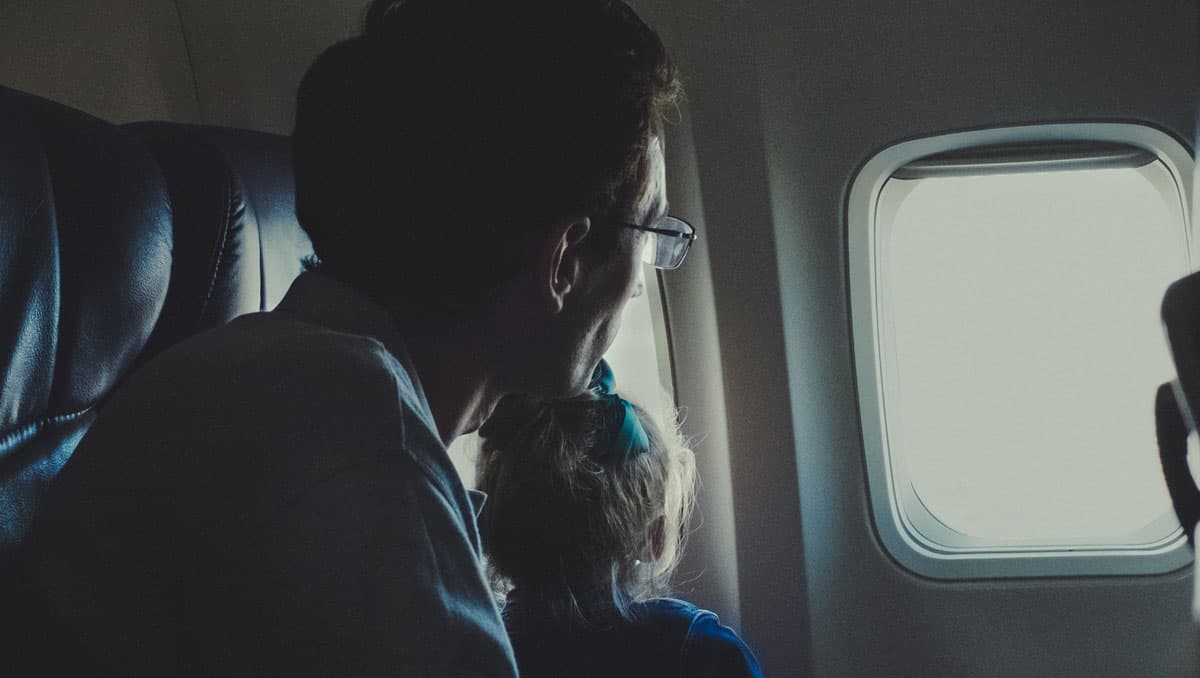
point(623, 433)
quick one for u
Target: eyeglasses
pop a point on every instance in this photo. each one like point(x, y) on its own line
point(669, 243)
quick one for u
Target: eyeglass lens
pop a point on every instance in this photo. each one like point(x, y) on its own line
point(666, 251)
point(670, 250)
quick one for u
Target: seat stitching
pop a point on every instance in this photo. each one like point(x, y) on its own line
point(27, 431)
point(220, 251)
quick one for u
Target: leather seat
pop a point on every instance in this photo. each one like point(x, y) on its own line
point(234, 207)
point(116, 242)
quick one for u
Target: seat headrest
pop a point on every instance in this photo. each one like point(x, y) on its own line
point(85, 258)
point(263, 163)
point(232, 197)
point(115, 243)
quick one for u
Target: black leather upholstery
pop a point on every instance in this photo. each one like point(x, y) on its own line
point(234, 212)
point(263, 162)
point(114, 244)
point(84, 266)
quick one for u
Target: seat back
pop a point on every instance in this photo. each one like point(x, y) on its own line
point(116, 242)
point(233, 195)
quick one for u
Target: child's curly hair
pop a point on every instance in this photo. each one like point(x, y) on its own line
point(580, 531)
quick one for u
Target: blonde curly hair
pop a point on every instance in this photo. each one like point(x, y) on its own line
point(581, 532)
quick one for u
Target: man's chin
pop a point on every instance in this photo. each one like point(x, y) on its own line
point(585, 378)
point(579, 381)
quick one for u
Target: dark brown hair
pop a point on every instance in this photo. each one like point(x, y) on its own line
point(452, 133)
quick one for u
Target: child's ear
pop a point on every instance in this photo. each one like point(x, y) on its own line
point(560, 265)
point(658, 537)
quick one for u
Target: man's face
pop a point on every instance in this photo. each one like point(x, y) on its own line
point(596, 316)
point(553, 355)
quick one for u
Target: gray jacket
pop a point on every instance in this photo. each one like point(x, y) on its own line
point(269, 498)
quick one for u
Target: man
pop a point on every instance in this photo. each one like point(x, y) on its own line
point(480, 180)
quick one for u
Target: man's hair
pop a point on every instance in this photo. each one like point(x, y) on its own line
point(434, 149)
point(567, 523)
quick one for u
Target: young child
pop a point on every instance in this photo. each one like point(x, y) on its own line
point(584, 522)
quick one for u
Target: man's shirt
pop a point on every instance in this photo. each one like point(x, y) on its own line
point(269, 498)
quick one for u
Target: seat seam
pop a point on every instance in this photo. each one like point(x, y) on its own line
point(25, 432)
point(220, 249)
point(687, 637)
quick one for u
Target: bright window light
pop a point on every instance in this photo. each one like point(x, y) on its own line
point(1020, 349)
point(1005, 287)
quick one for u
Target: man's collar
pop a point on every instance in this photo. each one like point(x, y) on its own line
point(322, 300)
point(478, 499)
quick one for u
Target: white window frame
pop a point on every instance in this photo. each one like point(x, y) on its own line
point(901, 520)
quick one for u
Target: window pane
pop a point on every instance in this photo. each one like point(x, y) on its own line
point(634, 354)
point(1020, 350)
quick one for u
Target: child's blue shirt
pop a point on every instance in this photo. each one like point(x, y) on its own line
point(665, 639)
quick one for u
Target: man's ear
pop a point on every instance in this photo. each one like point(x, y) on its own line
point(560, 267)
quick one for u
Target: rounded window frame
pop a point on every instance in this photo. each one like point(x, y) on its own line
point(895, 512)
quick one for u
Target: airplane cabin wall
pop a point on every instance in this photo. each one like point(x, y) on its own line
point(787, 99)
point(248, 57)
point(217, 62)
point(119, 61)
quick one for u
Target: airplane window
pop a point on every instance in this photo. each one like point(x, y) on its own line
point(638, 357)
point(1018, 347)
